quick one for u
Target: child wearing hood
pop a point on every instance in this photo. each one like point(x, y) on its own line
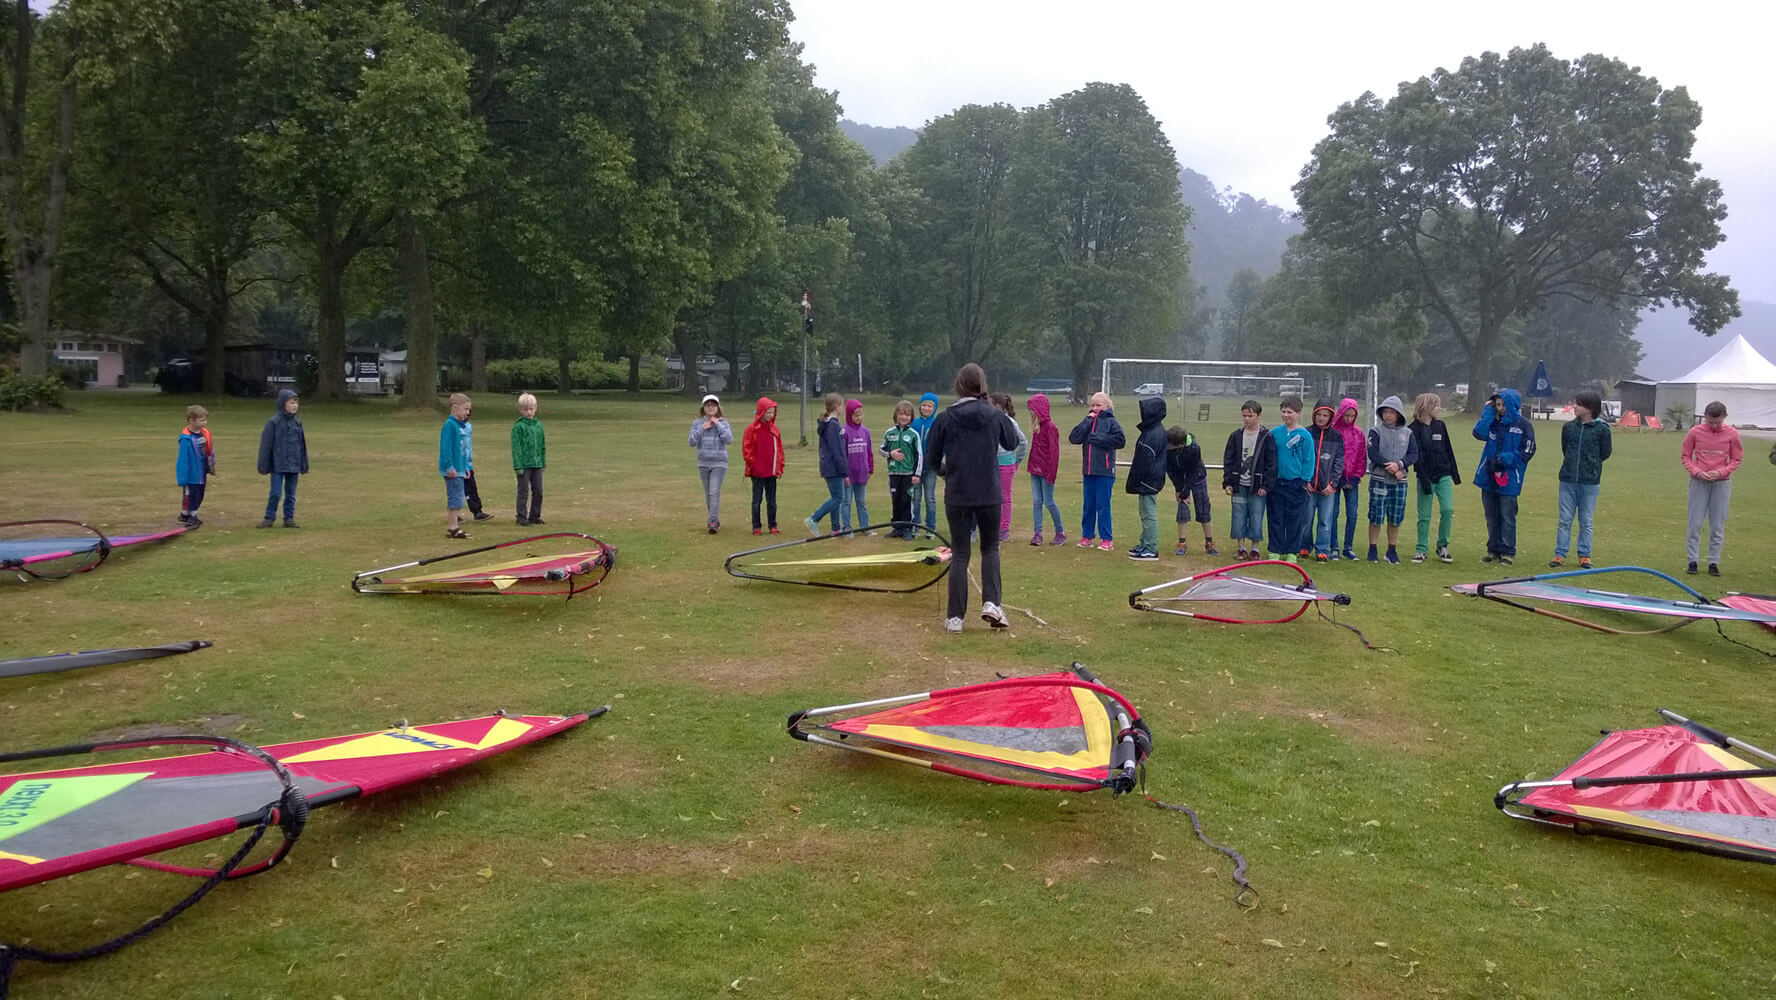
point(1190, 479)
point(711, 435)
point(1101, 435)
point(1147, 474)
point(761, 449)
point(1324, 486)
point(1510, 444)
point(283, 455)
point(1437, 475)
point(860, 460)
point(830, 431)
point(1356, 466)
point(1392, 450)
point(1045, 468)
point(1009, 460)
point(925, 483)
point(906, 459)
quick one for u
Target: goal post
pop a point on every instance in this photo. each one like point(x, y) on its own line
point(1214, 390)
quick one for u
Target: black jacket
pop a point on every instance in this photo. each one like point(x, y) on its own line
point(1264, 460)
point(282, 445)
point(1436, 455)
point(1185, 465)
point(1147, 470)
point(963, 446)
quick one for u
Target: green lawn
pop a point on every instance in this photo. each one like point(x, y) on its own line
point(682, 846)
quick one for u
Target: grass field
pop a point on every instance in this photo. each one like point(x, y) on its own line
point(682, 846)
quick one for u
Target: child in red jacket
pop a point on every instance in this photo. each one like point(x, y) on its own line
point(1045, 468)
point(761, 448)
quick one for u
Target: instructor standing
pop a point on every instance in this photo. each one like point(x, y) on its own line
point(963, 447)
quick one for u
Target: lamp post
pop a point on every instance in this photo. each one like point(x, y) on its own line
point(807, 328)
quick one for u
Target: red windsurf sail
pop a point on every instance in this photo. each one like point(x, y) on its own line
point(531, 566)
point(52, 550)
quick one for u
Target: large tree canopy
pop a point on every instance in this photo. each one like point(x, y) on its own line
point(1490, 190)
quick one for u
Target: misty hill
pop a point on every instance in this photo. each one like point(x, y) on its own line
point(881, 142)
point(1673, 347)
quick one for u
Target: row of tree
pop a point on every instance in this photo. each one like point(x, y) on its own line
point(570, 177)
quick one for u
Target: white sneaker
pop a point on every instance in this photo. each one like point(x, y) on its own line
point(994, 615)
point(952, 624)
point(813, 529)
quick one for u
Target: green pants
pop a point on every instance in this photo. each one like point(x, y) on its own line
point(1442, 494)
point(1149, 506)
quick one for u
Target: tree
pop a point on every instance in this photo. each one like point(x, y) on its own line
point(1097, 224)
point(1321, 308)
point(1236, 314)
point(1488, 190)
point(36, 156)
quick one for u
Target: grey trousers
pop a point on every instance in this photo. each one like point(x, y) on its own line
point(1708, 500)
point(712, 489)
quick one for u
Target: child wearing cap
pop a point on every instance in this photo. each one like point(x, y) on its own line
point(711, 435)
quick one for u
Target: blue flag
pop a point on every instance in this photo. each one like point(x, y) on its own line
point(1540, 387)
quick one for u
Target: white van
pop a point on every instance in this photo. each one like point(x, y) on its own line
point(1150, 389)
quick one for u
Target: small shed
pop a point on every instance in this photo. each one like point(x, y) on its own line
point(100, 356)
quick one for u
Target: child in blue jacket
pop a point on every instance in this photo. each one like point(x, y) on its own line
point(1510, 444)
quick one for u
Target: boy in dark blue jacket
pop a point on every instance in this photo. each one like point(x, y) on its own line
point(1147, 474)
point(1510, 444)
point(283, 455)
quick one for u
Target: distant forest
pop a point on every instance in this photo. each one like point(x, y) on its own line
point(1229, 231)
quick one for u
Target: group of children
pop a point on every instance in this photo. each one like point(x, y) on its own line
point(283, 456)
point(456, 464)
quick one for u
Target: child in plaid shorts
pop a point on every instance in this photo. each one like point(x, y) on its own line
point(1392, 450)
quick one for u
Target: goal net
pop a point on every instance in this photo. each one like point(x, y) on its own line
point(1214, 390)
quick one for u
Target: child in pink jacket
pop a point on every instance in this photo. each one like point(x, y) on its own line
point(1711, 453)
point(1356, 466)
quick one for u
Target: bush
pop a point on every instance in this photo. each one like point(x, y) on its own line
point(544, 374)
point(308, 375)
point(18, 392)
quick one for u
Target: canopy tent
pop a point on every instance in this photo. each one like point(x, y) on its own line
point(1737, 375)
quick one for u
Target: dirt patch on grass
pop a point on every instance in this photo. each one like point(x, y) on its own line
point(206, 725)
point(1382, 729)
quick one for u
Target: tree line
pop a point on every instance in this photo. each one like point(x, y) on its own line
point(583, 179)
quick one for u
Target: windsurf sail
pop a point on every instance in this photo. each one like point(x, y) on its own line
point(1760, 603)
point(1261, 592)
point(1684, 784)
point(526, 566)
point(1623, 613)
point(1062, 731)
point(859, 561)
point(95, 658)
point(55, 823)
point(55, 550)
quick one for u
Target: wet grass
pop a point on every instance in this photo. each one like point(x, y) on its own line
point(682, 846)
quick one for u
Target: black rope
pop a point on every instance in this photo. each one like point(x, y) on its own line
point(1736, 642)
point(11, 954)
point(1366, 643)
point(1239, 861)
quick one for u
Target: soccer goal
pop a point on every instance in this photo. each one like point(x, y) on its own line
point(1214, 390)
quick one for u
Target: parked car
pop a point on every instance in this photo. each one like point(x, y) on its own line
point(1150, 389)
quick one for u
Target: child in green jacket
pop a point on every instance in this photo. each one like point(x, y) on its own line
point(528, 453)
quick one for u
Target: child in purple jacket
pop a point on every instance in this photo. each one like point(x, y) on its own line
point(860, 459)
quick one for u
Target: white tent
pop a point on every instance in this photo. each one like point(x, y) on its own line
point(1738, 376)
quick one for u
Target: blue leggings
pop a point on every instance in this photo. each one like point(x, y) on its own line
point(1096, 523)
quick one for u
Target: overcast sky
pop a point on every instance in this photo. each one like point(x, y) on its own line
point(1243, 90)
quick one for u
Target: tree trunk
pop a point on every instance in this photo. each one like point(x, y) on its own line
point(564, 373)
point(330, 322)
point(634, 371)
point(215, 378)
point(478, 335)
point(33, 253)
point(421, 389)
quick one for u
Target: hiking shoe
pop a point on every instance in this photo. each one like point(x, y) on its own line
point(1373, 557)
point(1393, 557)
point(1106, 546)
point(1036, 539)
point(1181, 550)
point(1506, 560)
point(1349, 554)
point(1556, 562)
point(1092, 543)
point(290, 522)
point(1714, 569)
point(1691, 570)
point(1209, 548)
point(268, 522)
point(813, 529)
point(480, 515)
point(952, 624)
point(1418, 557)
point(1060, 538)
point(1584, 562)
point(994, 615)
point(1443, 554)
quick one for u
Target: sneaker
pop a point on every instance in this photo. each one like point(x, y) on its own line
point(1584, 562)
point(290, 522)
point(1106, 546)
point(184, 518)
point(1489, 557)
point(952, 624)
point(757, 532)
point(1443, 554)
point(1373, 557)
point(1332, 556)
point(1348, 554)
point(1393, 557)
point(1322, 557)
point(480, 515)
point(268, 522)
point(992, 614)
point(1506, 560)
point(1092, 543)
point(1036, 539)
point(1714, 569)
point(1142, 552)
point(1241, 555)
point(1060, 538)
point(536, 520)
point(523, 522)
point(872, 534)
point(1691, 570)
point(1181, 550)
point(813, 529)
point(193, 521)
point(1418, 557)
point(711, 526)
point(1557, 562)
point(1304, 553)
point(774, 530)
